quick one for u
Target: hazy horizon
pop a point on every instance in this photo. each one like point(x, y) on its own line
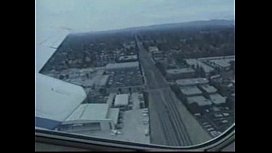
point(104, 15)
point(57, 18)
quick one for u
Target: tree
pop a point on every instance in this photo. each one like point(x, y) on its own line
point(102, 91)
point(120, 90)
point(87, 75)
point(61, 77)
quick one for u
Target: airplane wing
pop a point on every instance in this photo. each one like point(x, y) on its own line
point(47, 42)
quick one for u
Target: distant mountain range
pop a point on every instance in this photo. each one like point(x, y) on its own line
point(186, 24)
point(192, 24)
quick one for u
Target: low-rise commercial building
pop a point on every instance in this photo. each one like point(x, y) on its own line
point(127, 58)
point(121, 100)
point(199, 100)
point(173, 74)
point(195, 62)
point(208, 89)
point(192, 81)
point(190, 91)
point(117, 66)
point(222, 63)
point(217, 99)
point(93, 117)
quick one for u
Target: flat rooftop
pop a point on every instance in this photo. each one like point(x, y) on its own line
point(133, 129)
point(128, 57)
point(121, 100)
point(122, 65)
point(190, 90)
point(192, 81)
point(195, 62)
point(180, 71)
point(153, 49)
point(222, 62)
point(200, 100)
point(208, 88)
point(217, 98)
point(89, 112)
point(217, 57)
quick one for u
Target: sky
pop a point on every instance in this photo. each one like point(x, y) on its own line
point(99, 15)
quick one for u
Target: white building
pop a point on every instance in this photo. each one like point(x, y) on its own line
point(91, 117)
point(222, 62)
point(121, 100)
point(153, 49)
point(194, 62)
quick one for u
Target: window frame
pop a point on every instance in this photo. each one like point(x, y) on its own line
point(94, 143)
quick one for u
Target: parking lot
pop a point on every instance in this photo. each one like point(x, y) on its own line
point(216, 122)
point(124, 78)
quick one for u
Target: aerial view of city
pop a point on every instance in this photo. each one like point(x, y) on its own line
point(168, 84)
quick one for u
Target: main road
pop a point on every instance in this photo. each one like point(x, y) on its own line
point(170, 122)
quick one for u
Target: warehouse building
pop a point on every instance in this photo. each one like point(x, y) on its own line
point(195, 62)
point(91, 117)
point(217, 99)
point(208, 89)
point(192, 81)
point(127, 58)
point(117, 66)
point(190, 91)
point(121, 101)
point(174, 74)
point(223, 63)
point(199, 100)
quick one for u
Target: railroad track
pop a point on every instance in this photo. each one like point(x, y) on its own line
point(183, 133)
point(172, 125)
point(173, 128)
